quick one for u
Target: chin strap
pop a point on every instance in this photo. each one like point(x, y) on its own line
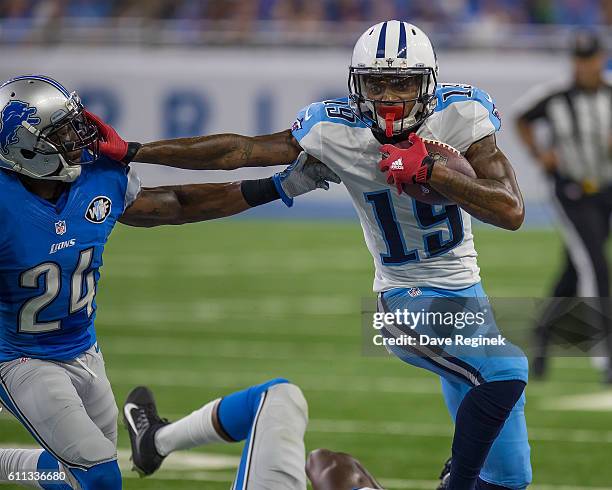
point(70, 173)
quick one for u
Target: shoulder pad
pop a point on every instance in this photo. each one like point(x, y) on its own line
point(449, 94)
point(336, 111)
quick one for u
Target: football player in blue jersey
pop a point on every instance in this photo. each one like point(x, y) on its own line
point(422, 253)
point(59, 202)
point(270, 418)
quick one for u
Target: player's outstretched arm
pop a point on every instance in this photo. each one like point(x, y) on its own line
point(494, 196)
point(221, 151)
point(176, 205)
point(214, 152)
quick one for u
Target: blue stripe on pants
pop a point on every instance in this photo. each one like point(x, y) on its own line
point(242, 476)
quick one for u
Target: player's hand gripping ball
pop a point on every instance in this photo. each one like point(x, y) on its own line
point(409, 164)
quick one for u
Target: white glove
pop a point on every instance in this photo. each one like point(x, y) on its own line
point(301, 177)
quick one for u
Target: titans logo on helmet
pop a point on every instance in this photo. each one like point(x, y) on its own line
point(11, 118)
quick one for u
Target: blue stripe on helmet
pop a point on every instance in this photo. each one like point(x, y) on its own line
point(41, 78)
point(401, 48)
point(380, 52)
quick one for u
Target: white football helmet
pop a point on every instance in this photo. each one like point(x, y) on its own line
point(397, 50)
point(41, 126)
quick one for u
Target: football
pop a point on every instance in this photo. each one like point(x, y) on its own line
point(445, 155)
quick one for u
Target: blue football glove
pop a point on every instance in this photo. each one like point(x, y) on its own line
point(301, 177)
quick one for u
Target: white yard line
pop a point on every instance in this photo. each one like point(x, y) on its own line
point(214, 348)
point(329, 383)
point(588, 402)
point(435, 430)
point(395, 428)
point(228, 379)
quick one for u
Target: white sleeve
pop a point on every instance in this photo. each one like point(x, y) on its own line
point(132, 189)
point(467, 119)
point(468, 122)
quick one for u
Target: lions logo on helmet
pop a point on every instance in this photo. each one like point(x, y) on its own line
point(44, 132)
point(14, 114)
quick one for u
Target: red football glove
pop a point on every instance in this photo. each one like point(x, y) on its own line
point(406, 165)
point(111, 144)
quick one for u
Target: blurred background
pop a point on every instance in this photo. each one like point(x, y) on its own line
point(168, 68)
point(199, 311)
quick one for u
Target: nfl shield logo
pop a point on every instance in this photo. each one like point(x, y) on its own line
point(60, 227)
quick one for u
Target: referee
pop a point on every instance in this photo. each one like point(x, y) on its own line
point(578, 160)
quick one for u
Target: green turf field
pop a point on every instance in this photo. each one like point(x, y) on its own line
point(202, 310)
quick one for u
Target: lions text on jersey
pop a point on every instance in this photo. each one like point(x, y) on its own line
point(50, 256)
point(412, 243)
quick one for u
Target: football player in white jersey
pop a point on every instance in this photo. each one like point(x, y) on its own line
point(422, 254)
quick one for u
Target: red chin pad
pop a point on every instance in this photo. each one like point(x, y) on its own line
point(390, 113)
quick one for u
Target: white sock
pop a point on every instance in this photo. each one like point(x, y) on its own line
point(19, 461)
point(193, 430)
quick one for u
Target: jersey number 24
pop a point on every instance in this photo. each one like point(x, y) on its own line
point(28, 315)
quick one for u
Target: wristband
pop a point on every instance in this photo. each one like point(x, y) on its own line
point(132, 149)
point(423, 174)
point(276, 178)
point(258, 192)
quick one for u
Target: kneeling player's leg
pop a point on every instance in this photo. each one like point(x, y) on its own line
point(274, 454)
point(329, 470)
point(272, 417)
point(42, 397)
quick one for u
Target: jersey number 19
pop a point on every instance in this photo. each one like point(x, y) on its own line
point(427, 217)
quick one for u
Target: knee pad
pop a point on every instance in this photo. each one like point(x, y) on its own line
point(293, 400)
point(276, 459)
point(103, 476)
point(90, 451)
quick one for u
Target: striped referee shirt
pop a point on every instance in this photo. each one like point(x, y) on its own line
point(580, 124)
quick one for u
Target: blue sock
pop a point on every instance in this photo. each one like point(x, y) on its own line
point(480, 418)
point(237, 411)
point(103, 476)
point(48, 464)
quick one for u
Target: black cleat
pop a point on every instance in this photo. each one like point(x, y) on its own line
point(142, 422)
point(445, 475)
